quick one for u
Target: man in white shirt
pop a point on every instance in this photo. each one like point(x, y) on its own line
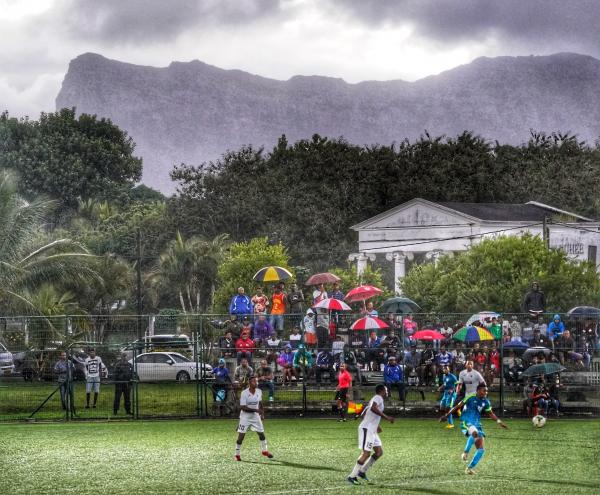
point(252, 415)
point(468, 380)
point(93, 368)
point(368, 435)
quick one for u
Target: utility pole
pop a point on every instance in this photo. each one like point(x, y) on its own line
point(139, 283)
point(546, 233)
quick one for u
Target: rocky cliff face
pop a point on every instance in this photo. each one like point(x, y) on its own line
point(193, 112)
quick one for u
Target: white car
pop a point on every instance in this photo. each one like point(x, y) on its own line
point(167, 366)
point(7, 365)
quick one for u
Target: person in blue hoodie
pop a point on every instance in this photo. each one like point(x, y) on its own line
point(240, 304)
point(556, 328)
point(393, 376)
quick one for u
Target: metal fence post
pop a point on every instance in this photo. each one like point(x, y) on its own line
point(197, 359)
point(502, 376)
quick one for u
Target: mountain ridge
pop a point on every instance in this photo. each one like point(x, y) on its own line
point(193, 111)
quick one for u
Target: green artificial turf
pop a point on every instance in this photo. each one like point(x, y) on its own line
point(311, 456)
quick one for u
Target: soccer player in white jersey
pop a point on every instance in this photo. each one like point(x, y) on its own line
point(469, 379)
point(93, 368)
point(368, 435)
point(251, 416)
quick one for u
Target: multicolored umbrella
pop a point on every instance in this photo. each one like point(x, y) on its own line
point(362, 293)
point(322, 278)
point(543, 369)
point(428, 334)
point(333, 305)
point(368, 323)
point(472, 334)
point(481, 316)
point(272, 274)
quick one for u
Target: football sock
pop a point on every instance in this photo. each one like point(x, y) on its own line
point(365, 467)
point(238, 449)
point(477, 457)
point(355, 471)
point(263, 445)
point(450, 420)
point(470, 442)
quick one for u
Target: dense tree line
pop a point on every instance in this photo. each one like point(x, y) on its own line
point(307, 194)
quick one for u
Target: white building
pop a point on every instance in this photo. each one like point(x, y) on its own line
point(438, 229)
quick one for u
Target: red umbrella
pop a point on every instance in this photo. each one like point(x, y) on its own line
point(333, 305)
point(428, 335)
point(322, 278)
point(369, 323)
point(362, 293)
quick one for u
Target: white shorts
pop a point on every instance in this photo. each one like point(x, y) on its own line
point(92, 384)
point(250, 422)
point(368, 439)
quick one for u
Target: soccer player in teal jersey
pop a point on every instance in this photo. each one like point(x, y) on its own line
point(472, 407)
point(448, 387)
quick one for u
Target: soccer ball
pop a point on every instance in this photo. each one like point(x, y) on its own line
point(538, 421)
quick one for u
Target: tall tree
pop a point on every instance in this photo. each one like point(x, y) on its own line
point(68, 157)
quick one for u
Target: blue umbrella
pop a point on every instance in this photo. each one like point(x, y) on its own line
point(515, 345)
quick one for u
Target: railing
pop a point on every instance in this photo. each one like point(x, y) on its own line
point(172, 358)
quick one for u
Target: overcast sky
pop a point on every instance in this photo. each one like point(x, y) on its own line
point(353, 39)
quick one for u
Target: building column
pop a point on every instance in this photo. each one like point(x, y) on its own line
point(361, 261)
point(399, 258)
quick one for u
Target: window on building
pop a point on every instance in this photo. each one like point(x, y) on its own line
point(592, 253)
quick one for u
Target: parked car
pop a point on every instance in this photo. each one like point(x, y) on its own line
point(7, 364)
point(166, 366)
point(39, 364)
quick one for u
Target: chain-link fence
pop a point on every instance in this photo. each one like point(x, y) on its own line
point(196, 365)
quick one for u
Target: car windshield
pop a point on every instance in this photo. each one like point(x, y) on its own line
point(178, 358)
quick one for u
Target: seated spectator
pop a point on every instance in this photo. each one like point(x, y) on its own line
point(565, 346)
point(310, 332)
point(391, 344)
point(480, 360)
point(240, 304)
point(410, 327)
point(295, 337)
point(539, 340)
point(541, 326)
point(585, 348)
point(221, 384)
point(447, 331)
point(303, 362)
point(443, 358)
point(233, 326)
point(527, 331)
point(515, 329)
point(286, 361)
point(349, 359)
point(412, 362)
point(375, 353)
point(337, 347)
point(227, 345)
point(494, 365)
point(242, 374)
point(244, 347)
point(393, 376)
point(324, 365)
point(551, 400)
point(262, 329)
point(428, 368)
point(556, 328)
point(273, 347)
point(264, 377)
point(260, 302)
point(247, 327)
point(369, 310)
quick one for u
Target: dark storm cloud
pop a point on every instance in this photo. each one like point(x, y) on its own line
point(574, 22)
point(157, 20)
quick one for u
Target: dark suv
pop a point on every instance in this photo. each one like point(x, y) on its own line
point(37, 364)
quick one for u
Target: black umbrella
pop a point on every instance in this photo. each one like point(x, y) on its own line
point(399, 305)
point(584, 312)
point(534, 351)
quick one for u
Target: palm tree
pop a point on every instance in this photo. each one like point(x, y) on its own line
point(189, 267)
point(27, 260)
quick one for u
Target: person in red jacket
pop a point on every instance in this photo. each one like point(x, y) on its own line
point(244, 347)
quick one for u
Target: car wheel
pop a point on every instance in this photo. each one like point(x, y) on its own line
point(27, 375)
point(183, 377)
